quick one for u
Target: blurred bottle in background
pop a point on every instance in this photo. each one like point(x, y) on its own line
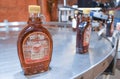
point(110, 24)
point(83, 32)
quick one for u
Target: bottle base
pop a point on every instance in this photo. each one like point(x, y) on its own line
point(81, 50)
point(35, 69)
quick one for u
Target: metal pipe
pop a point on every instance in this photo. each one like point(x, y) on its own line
point(65, 3)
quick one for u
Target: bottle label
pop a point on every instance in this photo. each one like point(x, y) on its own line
point(87, 36)
point(83, 24)
point(36, 47)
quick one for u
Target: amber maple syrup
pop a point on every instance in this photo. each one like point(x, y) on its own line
point(110, 24)
point(34, 44)
point(83, 33)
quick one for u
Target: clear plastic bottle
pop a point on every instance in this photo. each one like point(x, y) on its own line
point(74, 20)
point(34, 44)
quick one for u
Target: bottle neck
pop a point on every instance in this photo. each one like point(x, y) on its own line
point(86, 17)
point(34, 18)
point(34, 15)
point(79, 18)
point(110, 18)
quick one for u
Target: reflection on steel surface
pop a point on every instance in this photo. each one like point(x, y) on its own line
point(65, 63)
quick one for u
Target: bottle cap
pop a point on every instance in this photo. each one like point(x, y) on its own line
point(86, 11)
point(111, 12)
point(76, 12)
point(34, 9)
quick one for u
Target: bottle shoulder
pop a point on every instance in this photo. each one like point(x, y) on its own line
point(30, 29)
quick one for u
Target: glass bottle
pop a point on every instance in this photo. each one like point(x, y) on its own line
point(79, 16)
point(110, 24)
point(34, 44)
point(83, 33)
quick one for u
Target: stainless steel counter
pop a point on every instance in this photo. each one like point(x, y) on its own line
point(65, 63)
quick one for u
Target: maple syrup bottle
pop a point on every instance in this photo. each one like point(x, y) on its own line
point(34, 44)
point(79, 15)
point(110, 24)
point(83, 33)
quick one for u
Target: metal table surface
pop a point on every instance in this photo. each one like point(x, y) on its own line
point(65, 63)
